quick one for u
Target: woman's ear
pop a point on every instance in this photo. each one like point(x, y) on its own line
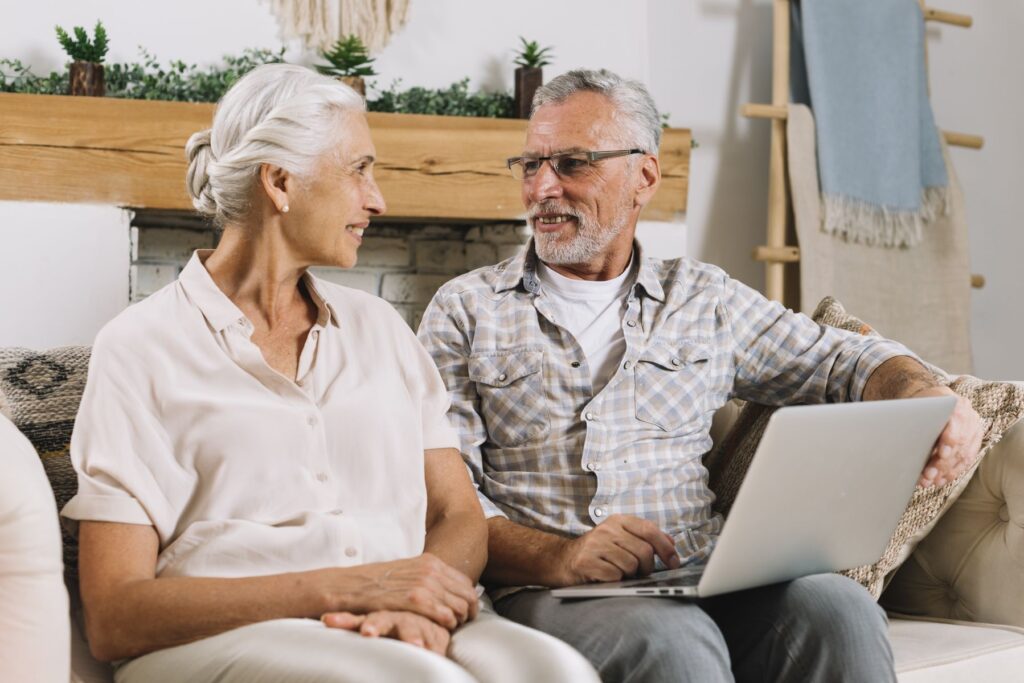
point(276, 182)
point(649, 178)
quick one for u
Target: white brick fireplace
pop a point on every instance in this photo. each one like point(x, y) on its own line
point(400, 261)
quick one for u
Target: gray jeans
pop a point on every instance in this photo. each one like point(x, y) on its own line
point(818, 628)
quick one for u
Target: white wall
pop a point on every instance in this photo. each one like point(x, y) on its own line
point(63, 272)
point(976, 77)
point(707, 58)
point(702, 59)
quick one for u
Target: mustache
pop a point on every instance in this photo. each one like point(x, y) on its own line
point(550, 206)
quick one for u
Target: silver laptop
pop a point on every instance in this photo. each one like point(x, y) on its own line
point(824, 492)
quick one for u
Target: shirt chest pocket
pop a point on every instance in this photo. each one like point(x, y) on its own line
point(672, 384)
point(511, 390)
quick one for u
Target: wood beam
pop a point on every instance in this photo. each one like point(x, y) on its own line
point(131, 153)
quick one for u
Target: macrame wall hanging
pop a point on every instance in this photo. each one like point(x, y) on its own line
point(319, 23)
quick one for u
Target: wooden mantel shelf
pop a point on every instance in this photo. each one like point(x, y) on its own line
point(131, 153)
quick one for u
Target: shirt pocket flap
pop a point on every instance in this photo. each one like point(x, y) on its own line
point(502, 370)
point(675, 356)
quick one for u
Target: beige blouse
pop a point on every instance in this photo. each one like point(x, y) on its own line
point(241, 471)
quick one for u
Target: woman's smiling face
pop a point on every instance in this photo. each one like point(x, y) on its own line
point(333, 206)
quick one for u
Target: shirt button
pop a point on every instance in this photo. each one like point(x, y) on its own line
point(627, 365)
point(590, 416)
point(322, 476)
point(676, 362)
point(631, 323)
point(351, 552)
point(575, 363)
point(337, 512)
point(502, 377)
point(593, 466)
point(599, 512)
point(311, 420)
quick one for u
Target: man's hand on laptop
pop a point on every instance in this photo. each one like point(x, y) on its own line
point(621, 547)
point(957, 447)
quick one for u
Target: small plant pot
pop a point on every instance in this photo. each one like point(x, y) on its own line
point(355, 82)
point(87, 79)
point(528, 79)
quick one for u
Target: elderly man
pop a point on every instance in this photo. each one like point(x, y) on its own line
point(584, 376)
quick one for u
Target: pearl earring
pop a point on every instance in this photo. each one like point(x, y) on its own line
point(284, 209)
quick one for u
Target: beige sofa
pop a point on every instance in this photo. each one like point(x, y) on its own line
point(957, 603)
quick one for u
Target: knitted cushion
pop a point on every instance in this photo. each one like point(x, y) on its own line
point(1000, 405)
point(42, 391)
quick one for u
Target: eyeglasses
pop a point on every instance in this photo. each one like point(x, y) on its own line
point(566, 165)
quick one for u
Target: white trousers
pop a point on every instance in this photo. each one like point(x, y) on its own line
point(489, 649)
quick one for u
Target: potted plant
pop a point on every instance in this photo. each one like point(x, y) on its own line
point(531, 59)
point(349, 62)
point(87, 55)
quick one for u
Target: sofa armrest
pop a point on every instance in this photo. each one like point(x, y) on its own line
point(971, 565)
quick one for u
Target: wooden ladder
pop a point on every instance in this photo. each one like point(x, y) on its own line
point(776, 253)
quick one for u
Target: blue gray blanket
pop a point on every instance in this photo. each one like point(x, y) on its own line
point(860, 66)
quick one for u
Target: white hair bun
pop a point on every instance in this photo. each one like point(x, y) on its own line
point(200, 156)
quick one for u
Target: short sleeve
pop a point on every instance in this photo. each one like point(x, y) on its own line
point(424, 382)
point(119, 449)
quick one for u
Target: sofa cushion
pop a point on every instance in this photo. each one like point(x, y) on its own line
point(43, 390)
point(971, 565)
point(1000, 405)
point(940, 651)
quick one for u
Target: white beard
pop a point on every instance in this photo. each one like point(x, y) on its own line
point(589, 242)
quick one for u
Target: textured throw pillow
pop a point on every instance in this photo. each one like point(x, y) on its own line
point(42, 391)
point(5, 409)
point(1000, 405)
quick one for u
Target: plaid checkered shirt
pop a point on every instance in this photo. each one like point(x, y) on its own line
point(546, 452)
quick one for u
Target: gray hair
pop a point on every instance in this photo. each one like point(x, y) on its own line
point(280, 114)
point(641, 123)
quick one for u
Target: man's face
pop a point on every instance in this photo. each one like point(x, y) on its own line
point(580, 220)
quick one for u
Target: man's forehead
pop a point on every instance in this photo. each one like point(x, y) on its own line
point(573, 125)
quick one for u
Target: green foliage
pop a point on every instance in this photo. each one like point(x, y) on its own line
point(148, 79)
point(531, 54)
point(16, 77)
point(80, 48)
point(178, 81)
point(455, 100)
point(348, 57)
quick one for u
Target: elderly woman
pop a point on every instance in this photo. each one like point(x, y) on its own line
point(268, 486)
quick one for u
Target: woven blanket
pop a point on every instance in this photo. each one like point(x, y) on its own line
point(860, 66)
point(920, 297)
